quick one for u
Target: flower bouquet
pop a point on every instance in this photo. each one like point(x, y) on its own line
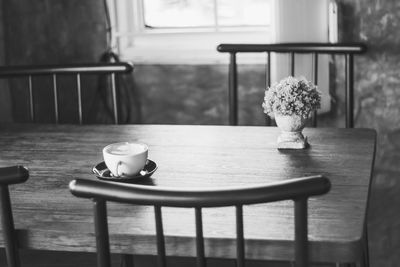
point(291, 102)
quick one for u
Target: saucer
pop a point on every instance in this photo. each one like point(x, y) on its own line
point(103, 173)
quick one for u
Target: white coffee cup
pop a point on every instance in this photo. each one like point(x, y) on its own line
point(126, 158)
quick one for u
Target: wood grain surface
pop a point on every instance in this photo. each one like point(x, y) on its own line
point(49, 217)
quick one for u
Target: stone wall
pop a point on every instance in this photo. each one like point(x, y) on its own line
point(378, 104)
point(198, 94)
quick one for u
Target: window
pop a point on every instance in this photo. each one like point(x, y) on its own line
point(213, 15)
point(187, 31)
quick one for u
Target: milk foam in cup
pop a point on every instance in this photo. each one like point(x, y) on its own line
point(125, 159)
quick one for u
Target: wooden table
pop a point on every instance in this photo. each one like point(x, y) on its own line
point(49, 217)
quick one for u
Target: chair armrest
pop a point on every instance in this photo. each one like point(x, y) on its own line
point(13, 175)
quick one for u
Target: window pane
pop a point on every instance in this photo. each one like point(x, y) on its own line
point(243, 12)
point(178, 13)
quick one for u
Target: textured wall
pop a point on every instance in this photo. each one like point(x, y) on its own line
point(378, 101)
point(5, 106)
point(198, 94)
point(52, 32)
point(2, 41)
point(187, 94)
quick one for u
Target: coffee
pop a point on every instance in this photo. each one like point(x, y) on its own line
point(126, 148)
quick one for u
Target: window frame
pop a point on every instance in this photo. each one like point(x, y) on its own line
point(195, 45)
point(198, 47)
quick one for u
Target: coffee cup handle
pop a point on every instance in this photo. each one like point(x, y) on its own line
point(117, 169)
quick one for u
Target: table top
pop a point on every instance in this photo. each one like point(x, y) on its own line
point(49, 217)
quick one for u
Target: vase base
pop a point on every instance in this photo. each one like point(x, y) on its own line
point(292, 141)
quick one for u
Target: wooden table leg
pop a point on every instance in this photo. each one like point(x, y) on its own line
point(127, 260)
point(365, 249)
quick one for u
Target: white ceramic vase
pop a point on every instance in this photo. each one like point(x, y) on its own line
point(291, 127)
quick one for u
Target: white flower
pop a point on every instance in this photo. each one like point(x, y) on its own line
point(292, 96)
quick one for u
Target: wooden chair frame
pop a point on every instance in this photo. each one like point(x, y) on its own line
point(346, 49)
point(298, 190)
point(77, 70)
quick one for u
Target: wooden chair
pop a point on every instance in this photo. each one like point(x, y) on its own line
point(77, 70)
point(297, 190)
point(314, 49)
point(8, 176)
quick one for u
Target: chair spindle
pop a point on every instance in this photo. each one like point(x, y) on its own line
point(233, 98)
point(31, 107)
point(161, 258)
point(315, 75)
point(268, 83)
point(101, 229)
point(268, 69)
point(292, 63)
point(349, 91)
point(240, 250)
point(201, 261)
point(55, 94)
point(79, 90)
point(114, 97)
point(301, 232)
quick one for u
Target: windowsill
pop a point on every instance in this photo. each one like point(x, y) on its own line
point(190, 48)
point(187, 57)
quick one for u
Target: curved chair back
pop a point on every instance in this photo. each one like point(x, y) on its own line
point(8, 176)
point(298, 190)
point(76, 70)
point(348, 50)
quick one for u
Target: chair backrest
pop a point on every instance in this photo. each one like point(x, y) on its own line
point(77, 70)
point(297, 190)
point(8, 176)
point(348, 50)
